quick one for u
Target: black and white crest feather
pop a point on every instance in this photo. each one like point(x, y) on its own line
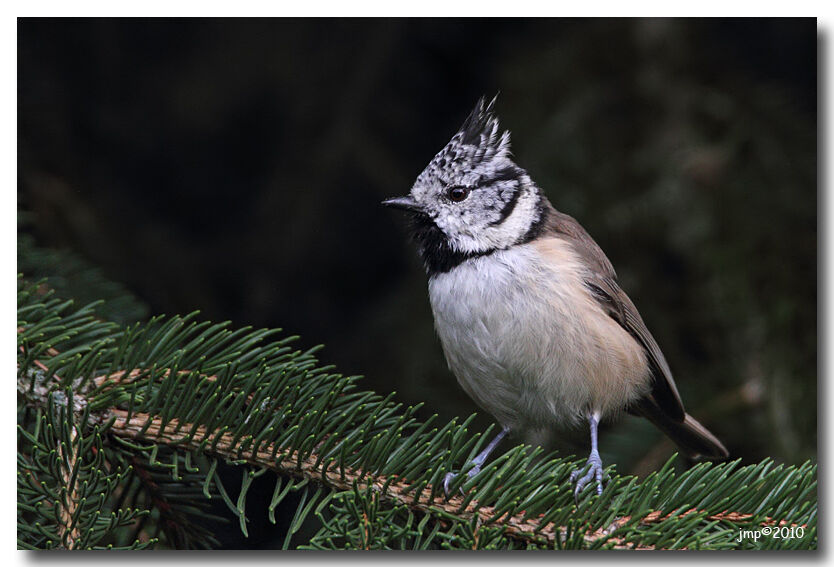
point(481, 127)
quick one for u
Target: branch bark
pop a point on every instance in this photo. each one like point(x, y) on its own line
point(150, 428)
point(145, 427)
point(68, 526)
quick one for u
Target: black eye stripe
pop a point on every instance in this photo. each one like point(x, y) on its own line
point(508, 207)
point(506, 174)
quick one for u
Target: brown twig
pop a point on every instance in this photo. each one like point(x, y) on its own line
point(147, 427)
point(68, 528)
point(175, 433)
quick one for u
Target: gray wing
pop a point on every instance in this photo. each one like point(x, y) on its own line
point(602, 282)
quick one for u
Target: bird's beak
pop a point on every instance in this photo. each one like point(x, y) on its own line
point(406, 203)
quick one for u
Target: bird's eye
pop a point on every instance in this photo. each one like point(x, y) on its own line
point(457, 194)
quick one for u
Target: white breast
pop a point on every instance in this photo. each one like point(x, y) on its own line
point(528, 342)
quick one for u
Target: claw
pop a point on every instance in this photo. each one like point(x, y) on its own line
point(594, 467)
point(447, 480)
point(477, 461)
point(594, 464)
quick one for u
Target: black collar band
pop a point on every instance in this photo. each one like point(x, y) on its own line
point(437, 254)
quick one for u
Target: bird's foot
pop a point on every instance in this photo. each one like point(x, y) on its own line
point(594, 468)
point(447, 480)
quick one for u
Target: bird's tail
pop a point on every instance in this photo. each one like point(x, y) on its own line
point(692, 437)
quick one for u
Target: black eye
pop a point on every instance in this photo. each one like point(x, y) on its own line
point(457, 194)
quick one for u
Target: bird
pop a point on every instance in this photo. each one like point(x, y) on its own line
point(527, 307)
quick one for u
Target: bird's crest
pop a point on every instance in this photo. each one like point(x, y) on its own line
point(481, 130)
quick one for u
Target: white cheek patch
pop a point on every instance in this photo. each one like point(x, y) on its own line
point(455, 226)
point(518, 223)
point(479, 237)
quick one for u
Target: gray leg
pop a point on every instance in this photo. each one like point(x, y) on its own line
point(477, 461)
point(594, 464)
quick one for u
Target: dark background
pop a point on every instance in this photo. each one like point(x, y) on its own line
point(236, 167)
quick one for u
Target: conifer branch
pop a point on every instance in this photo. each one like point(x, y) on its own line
point(68, 526)
point(174, 433)
point(174, 397)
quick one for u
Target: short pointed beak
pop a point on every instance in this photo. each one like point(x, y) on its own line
point(406, 203)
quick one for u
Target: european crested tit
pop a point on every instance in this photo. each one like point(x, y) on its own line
point(527, 306)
